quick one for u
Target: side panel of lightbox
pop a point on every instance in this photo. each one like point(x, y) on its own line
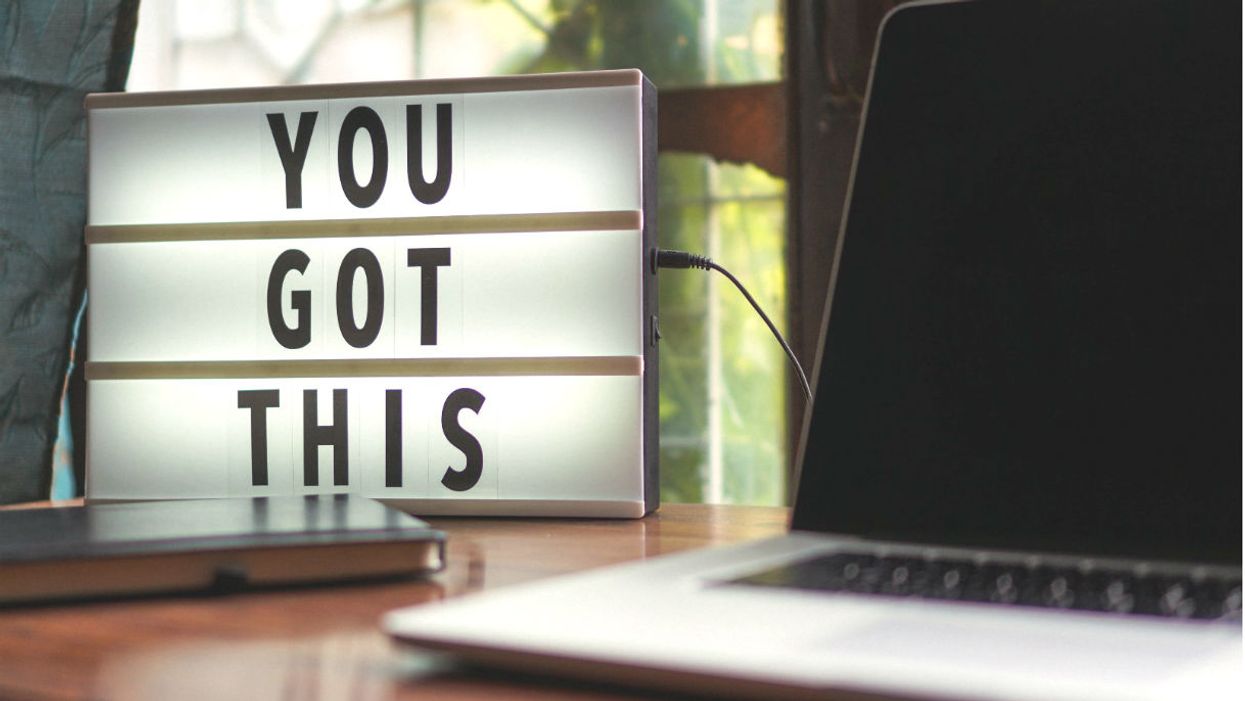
point(513, 295)
point(538, 438)
point(572, 150)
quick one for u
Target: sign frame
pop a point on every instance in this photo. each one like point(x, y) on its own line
point(644, 219)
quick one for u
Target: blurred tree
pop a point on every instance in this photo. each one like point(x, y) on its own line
point(700, 204)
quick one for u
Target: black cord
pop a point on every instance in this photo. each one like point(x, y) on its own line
point(683, 259)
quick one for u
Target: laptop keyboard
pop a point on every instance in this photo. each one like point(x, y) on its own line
point(1112, 591)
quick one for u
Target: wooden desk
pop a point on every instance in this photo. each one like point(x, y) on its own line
point(323, 642)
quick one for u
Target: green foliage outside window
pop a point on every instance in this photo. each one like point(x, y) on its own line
point(736, 213)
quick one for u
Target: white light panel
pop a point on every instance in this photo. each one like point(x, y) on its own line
point(289, 294)
point(514, 152)
point(540, 438)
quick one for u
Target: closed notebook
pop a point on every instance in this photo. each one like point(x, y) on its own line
point(128, 549)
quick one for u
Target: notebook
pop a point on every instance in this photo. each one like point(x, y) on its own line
point(1021, 474)
point(212, 544)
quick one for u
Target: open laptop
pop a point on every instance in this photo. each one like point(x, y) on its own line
point(1021, 476)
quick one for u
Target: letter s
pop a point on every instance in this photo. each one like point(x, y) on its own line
point(459, 399)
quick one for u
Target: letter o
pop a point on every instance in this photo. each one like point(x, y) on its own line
point(365, 260)
point(362, 118)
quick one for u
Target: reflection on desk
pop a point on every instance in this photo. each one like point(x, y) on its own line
point(323, 642)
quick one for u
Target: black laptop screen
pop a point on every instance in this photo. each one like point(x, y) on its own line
point(1035, 332)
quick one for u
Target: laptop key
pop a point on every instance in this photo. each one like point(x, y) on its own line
point(1058, 593)
point(1005, 588)
point(1117, 596)
point(898, 581)
point(1176, 602)
point(1230, 605)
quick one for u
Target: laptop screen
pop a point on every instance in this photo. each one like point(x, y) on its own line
point(1034, 335)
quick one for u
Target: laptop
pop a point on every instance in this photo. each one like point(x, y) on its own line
point(1021, 474)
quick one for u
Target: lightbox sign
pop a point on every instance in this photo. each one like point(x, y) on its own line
point(434, 293)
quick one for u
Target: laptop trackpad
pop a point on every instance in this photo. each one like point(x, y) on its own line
point(994, 646)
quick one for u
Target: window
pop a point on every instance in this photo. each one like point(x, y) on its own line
point(724, 384)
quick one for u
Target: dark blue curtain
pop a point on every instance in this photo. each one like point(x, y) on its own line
point(51, 55)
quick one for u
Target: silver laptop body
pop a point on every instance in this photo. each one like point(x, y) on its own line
point(1021, 476)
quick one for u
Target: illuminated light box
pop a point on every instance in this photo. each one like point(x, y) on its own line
point(433, 293)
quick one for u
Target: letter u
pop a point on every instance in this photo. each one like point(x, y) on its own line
point(425, 191)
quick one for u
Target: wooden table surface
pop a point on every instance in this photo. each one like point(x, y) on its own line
point(323, 642)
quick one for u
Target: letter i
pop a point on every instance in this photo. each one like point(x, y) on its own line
point(393, 438)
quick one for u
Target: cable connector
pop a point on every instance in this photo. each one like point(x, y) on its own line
point(682, 259)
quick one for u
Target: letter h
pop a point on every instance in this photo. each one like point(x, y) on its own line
point(315, 435)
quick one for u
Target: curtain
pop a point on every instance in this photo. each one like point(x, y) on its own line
point(51, 55)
